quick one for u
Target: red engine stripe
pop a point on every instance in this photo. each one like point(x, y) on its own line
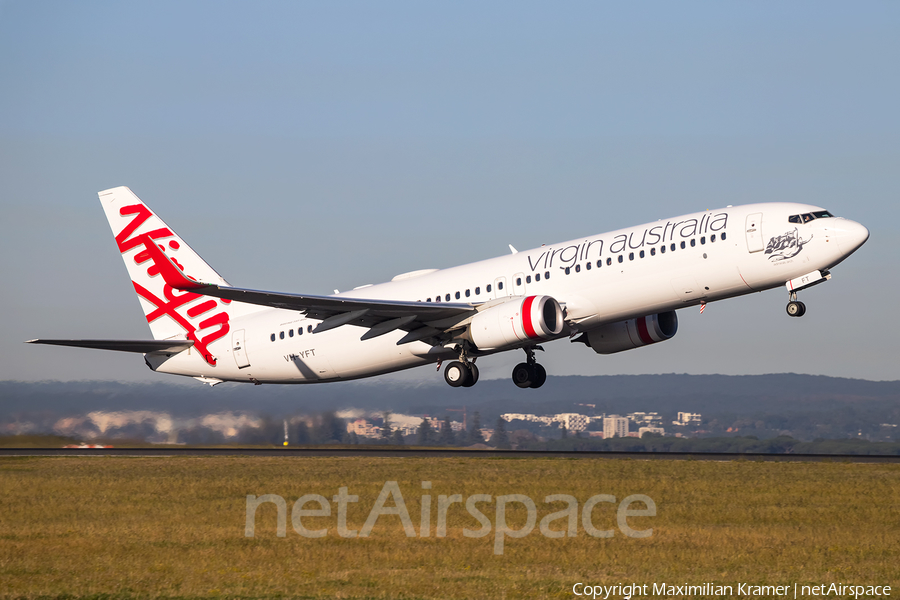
point(642, 330)
point(527, 325)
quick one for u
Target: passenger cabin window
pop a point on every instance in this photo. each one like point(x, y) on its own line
point(457, 295)
point(642, 254)
point(290, 333)
point(578, 268)
point(693, 243)
point(723, 236)
point(468, 293)
point(477, 291)
point(621, 258)
point(300, 330)
point(528, 279)
point(488, 288)
point(500, 285)
point(518, 281)
point(683, 245)
point(273, 337)
point(537, 276)
point(546, 274)
point(281, 335)
point(309, 329)
point(447, 297)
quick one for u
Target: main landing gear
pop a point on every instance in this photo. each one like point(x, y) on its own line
point(462, 372)
point(795, 308)
point(529, 374)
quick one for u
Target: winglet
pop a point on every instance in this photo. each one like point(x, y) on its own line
point(170, 271)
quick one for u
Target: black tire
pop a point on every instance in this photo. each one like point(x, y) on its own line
point(540, 376)
point(802, 309)
point(473, 375)
point(523, 375)
point(795, 309)
point(456, 374)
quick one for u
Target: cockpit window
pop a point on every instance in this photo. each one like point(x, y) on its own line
point(807, 217)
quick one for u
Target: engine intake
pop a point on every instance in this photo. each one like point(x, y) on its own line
point(515, 321)
point(633, 333)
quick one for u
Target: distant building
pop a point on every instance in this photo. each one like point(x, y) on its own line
point(615, 426)
point(646, 419)
point(518, 417)
point(686, 418)
point(643, 430)
point(364, 428)
point(573, 421)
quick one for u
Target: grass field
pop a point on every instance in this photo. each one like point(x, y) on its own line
point(175, 527)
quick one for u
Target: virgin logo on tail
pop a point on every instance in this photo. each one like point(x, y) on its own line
point(171, 304)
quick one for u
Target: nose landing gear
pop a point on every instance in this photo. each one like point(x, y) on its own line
point(529, 374)
point(795, 308)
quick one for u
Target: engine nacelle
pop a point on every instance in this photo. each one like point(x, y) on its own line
point(515, 321)
point(634, 333)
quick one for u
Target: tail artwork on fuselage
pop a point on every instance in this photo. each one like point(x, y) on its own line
point(611, 293)
point(170, 313)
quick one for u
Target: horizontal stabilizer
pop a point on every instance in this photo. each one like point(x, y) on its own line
point(142, 346)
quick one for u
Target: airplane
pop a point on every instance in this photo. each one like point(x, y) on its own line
point(613, 292)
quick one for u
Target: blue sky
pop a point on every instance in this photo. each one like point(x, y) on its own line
point(312, 146)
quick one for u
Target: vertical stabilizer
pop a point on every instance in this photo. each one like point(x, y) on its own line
point(170, 313)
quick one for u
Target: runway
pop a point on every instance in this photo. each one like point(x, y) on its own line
point(377, 452)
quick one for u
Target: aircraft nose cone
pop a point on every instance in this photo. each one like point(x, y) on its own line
point(850, 236)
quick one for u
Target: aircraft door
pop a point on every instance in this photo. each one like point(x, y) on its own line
point(240, 349)
point(518, 284)
point(500, 290)
point(754, 233)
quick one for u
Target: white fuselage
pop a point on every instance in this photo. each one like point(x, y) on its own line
point(606, 278)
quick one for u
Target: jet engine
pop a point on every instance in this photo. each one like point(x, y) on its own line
point(515, 321)
point(633, 333)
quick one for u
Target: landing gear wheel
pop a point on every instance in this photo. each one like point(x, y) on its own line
point(456, 374)
point(473, 375)
point(540, 376)
point(796, 309)
point(523, 375)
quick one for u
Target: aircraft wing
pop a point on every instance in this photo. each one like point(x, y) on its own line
point(141, 346)
point(421, 319)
